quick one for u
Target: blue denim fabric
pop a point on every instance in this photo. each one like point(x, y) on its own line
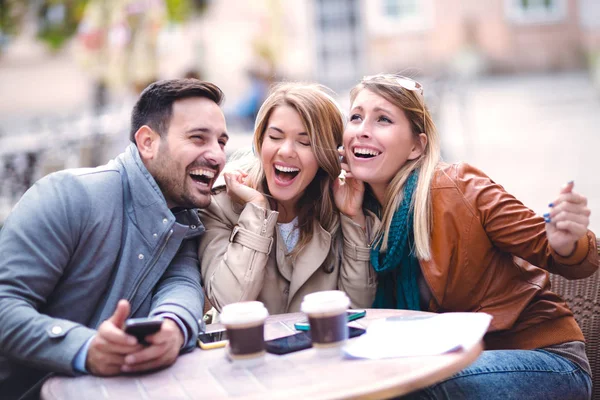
point(513, 374)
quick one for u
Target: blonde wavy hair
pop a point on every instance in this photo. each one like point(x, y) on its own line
point(393, 88)
point(324, 123)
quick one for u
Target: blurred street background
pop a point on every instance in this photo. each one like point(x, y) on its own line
point(514, 85)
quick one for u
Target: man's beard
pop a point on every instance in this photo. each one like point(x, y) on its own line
point(173, 189)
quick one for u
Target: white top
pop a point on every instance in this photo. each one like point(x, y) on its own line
point(289, 233)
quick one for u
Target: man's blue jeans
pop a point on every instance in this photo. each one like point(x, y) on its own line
point(513, 374)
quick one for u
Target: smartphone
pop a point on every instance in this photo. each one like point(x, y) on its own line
point(352, 315)
point(142, 327)
point(300, 341)
point(212, 340)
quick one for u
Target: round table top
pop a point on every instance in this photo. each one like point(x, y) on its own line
point(207, 374)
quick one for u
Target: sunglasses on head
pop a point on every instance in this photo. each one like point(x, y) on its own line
point(403, 81)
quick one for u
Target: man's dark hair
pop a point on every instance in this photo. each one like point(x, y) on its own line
point(155, 105)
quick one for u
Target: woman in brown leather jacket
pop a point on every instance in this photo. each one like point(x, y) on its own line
point(451, 239)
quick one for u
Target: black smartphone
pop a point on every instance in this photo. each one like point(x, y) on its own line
point(212, 340)
point(142, 327)
point(300, 341)
point(352, 315)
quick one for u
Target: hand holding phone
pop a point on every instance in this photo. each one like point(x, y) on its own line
point(163, 349)
point(142, 327)
point(348, 192)
point(111, 341)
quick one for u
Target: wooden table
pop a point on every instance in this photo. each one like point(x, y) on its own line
point(207, 374)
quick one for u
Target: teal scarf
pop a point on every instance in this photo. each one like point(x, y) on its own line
point(398, 268)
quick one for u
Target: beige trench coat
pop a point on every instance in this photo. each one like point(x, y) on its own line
point(244, 258)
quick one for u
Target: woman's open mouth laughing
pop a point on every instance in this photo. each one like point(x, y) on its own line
point(365, 153)
point(285, 175)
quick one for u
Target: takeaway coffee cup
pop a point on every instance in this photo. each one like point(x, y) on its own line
point(326, 313)
point(245, 324)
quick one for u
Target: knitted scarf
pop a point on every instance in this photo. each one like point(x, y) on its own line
point(398, 268)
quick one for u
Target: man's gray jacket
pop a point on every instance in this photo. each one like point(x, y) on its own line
point(77, 242)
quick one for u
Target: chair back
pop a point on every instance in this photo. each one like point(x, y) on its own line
point(583, 298)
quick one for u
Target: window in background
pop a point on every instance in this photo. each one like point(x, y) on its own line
point(536, 11)
point(589, 14)
point(396, 16)
point(401, 9)
point(338, 42)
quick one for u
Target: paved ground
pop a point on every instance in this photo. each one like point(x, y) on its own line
point(35, 84)
point(530, 133)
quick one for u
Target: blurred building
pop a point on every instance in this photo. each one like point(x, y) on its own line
point(243, 46)
point(337, 41)
point(508, 35)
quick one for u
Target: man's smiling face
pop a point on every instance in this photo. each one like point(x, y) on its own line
point(191, 154)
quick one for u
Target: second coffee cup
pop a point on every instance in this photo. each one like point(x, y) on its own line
point(245, 324)
point(326, 313)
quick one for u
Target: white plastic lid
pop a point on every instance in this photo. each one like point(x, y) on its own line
point(325, 302)
point(244, 312)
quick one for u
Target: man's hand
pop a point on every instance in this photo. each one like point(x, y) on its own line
point(106, 355)
point(163, 350)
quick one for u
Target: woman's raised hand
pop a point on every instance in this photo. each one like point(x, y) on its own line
point(567, 221)
point(348, 194)
point(239, 192)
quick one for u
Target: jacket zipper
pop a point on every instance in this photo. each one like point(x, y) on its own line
point(263, 231)
point(147, 271)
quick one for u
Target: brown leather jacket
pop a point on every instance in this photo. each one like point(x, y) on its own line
point(490, 254)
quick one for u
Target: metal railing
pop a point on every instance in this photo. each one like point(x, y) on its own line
point(51, 144)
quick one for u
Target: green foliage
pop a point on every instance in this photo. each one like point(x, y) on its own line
point(56, 31)
point(180, 10)
point(594, 68)
point(11, 15)
point(58, 19)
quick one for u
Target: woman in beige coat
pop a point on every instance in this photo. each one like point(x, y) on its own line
point(285, 226)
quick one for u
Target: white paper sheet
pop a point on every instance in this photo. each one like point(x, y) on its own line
point(421, 335)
